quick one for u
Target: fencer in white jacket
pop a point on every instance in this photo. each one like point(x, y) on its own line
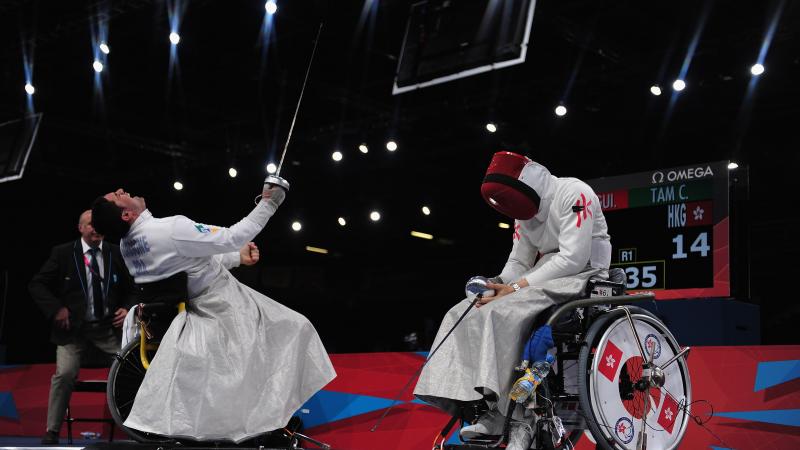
point(236, 363)
point(560, 240)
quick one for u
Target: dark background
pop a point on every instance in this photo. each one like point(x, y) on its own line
point(227, 104)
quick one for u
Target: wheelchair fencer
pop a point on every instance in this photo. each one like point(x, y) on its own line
point(161, 302)
point(618, 373)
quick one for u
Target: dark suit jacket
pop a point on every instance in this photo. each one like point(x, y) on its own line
point(61, 281)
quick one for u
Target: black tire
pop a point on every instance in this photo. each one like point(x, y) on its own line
point(124, 379)
point(593, 335)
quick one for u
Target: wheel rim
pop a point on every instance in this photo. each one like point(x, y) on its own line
point(125, 378)
point(618, 406)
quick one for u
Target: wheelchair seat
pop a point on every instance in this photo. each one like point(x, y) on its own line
point(159, 303)
point(613, 286)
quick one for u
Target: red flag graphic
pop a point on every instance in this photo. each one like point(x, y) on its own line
point(610, 361)
point(669, 413)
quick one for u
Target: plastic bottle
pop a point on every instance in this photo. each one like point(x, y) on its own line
point(526, 385)
point(90, 435)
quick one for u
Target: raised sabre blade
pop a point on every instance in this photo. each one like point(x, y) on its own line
point(276, 179)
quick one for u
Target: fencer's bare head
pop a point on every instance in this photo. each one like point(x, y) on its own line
point(131, 206)
point(87, 231)
point(114, 212)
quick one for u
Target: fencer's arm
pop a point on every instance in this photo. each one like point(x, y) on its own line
point(574, 247)
point(520, 260)
point(194, 239)
point(229, 260)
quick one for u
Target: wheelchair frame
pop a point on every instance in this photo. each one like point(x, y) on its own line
point(595, 314)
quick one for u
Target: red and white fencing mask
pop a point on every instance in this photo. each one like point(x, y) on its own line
point(503, 187)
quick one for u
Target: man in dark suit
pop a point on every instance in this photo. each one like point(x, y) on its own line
point(84, 290)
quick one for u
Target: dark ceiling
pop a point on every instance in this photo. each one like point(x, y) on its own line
point(228, 101)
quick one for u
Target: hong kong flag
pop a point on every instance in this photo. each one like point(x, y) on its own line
point(699, 213)
point(610, 361)
point(669, 413)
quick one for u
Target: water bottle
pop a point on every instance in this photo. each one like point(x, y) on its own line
point(88, 435)
point(526, 385)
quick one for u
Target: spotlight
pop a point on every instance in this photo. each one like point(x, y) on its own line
point(561, 110)
point(655, 90)
point(177, 185)
point(342, 222)
point(391, 146)
point(29, 88)
point(757, 69)
point(297, 226)
point(503, 225)
point(679, 85)
point(232, 172)
point(426, 211)
point(421, 235)
point(337, 155)
point(490, 127)
point(104, 48)
point(272, 168)
point(97, 66)
point(271, 7)
point(375, 216)
point(174, 38)
point(732, 166)
point(363, 148)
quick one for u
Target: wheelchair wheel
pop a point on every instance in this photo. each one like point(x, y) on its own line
point(124, 379)
point(609, 366)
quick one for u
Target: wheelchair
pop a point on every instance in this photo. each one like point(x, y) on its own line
point(161, 302)
point(618, 371)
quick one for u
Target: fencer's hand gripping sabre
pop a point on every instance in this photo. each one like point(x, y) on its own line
point(276, 179)
point(476, 287)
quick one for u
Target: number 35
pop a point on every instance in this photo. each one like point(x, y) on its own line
point(648, 279)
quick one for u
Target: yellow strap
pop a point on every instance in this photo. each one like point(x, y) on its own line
point(143, 347)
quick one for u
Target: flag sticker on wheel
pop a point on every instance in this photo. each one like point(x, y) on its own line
point(610, 361)
point(624, 430)
point(669, 413)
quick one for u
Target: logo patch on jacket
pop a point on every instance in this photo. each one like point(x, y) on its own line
point(205, 228)
point(580, 207)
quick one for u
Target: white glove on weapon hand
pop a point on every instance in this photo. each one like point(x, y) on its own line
point(273, 194)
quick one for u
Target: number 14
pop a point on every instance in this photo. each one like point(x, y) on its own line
point(699, 245)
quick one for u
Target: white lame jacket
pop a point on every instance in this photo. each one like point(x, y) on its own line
point(569, 232)
point(157, 248)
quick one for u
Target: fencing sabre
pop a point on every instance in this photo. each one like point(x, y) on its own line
point(416, 374)
point(275, 178)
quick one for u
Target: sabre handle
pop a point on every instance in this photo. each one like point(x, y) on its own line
point(277, 181)
point(274, 180)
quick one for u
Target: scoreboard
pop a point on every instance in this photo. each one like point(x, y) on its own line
point(670, 229)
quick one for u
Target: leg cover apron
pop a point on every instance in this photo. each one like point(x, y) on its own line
point(480, 355)
point(235, 365)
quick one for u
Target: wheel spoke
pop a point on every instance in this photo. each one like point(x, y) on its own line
point(674, 358)
point(136, 367)
point(636, 335)
point(124, 405)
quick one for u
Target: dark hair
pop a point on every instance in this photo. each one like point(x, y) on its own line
point(107, 218)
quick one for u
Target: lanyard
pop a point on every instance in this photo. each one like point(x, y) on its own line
point(88, 265)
